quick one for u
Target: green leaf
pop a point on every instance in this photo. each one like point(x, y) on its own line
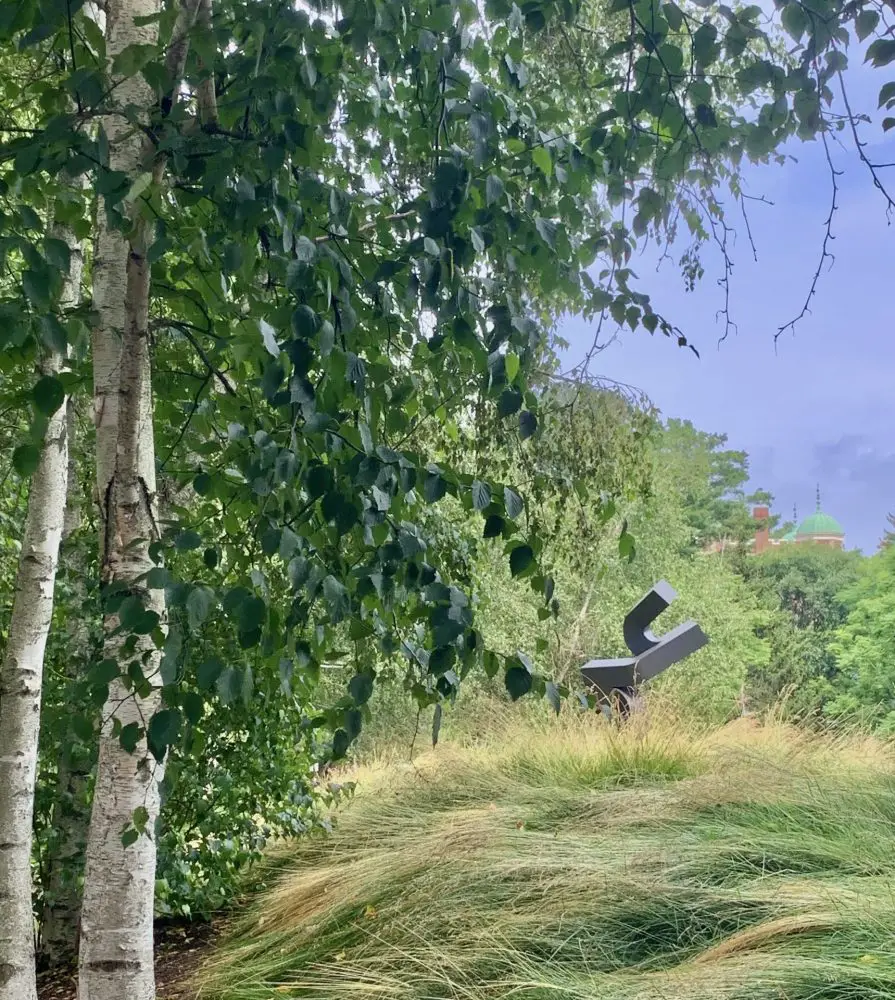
point(706, 116)
point(336, 596)
point(865, 23)
point(441, 660)
point(494, 526)
point(494, 189)
point(341, 742)
point(509, 403)
point(133, 58)
point(481, 494)
point(140, 818)
point(53, 334)
point(305, 250)
point(795, 19)
point(318, 481)
point(172, 652)
point(272, 379)
point(543, 160)
point(199, 604)
point(130, 612)
point(140, 185)
point(547, 231)
point(270, 541)
point(360, 687)
point(37, 288)
point(158, 578)
point(521, 559)
point(551, 692)
point(208, 673)
point(25, 460)
point(304, 321)
point(187, 540)
point(352, 721)
point(626, 547)
point(229, 685)
point(881, 52)
point(434, 487)
point(58, 253)
point(48, 394)
point(518, 681)
point(528, 424)
point(511, 365)
point(104, 672)
point(490, 664)
point(513, 503)
point(704, 47)
point(164, 728)
point(82, 727)
point(269, 337)
point(193, 706)
point(251, 614)
point(673, 15)
point(129, 736)
point(298, 570)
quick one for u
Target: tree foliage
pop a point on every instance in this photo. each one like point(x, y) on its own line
point(807, 585)
point(711, 481)
point(863, 646)
point(357, 226)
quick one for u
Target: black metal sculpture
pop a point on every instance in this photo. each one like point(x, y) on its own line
point(619, 679)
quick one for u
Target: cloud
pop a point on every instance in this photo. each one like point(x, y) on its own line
point(855, 459)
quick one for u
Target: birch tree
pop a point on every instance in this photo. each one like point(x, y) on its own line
point(70, 815)
point(116, 942)
point(116, 938)
point(21, 673)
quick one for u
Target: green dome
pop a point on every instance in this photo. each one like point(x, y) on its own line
point(820, 524)
point(790, 536)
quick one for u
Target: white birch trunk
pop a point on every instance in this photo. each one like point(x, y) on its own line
point(116, 941)
point(116, 938)
point(71, 813)
point(21, 676)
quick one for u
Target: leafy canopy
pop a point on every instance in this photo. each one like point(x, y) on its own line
point(359, 255)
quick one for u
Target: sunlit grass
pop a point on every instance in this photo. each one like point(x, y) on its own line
point(568, 859)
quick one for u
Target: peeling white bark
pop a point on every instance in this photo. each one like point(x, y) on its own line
point(71, 814)
point(116, 940)
point(116, 933)
point(21, 676)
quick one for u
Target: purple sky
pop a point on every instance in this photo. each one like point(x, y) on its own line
point(820, 406)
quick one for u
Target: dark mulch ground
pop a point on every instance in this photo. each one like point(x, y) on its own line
point(179, 952)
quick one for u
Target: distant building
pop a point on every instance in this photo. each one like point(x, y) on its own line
point(818, 528)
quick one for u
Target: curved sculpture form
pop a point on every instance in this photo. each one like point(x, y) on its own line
point(651, 654)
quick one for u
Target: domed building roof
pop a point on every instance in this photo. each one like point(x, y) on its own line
point(817, 529)
point(819, 523)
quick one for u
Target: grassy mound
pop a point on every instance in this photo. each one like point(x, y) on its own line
point(572, 861)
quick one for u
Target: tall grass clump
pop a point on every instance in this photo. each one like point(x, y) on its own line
point(571, 859)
